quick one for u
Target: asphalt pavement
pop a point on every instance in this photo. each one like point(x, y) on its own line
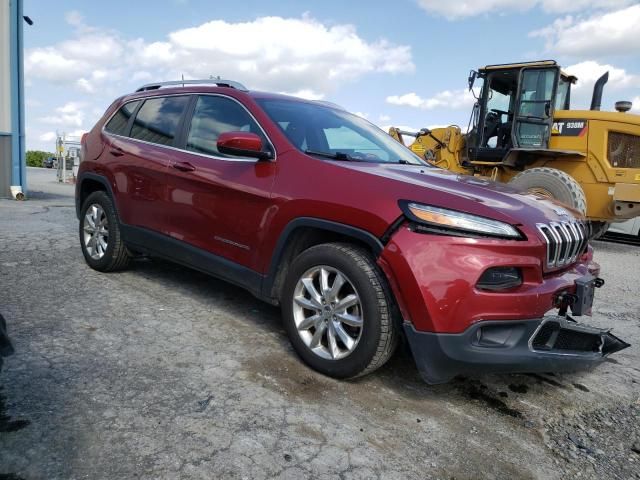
point(163, 372)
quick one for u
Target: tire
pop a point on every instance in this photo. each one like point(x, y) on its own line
point(376, 337)
point(553, 183)
point(108, 252)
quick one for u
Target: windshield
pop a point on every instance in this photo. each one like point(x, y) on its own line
point(333, 133)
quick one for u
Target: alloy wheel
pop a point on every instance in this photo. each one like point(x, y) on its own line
point(96, 231)
point(327, 311)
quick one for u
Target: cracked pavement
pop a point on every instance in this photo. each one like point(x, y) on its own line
point(163, 372)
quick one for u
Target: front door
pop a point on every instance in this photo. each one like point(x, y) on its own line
point(219, 202)
point(534, 107)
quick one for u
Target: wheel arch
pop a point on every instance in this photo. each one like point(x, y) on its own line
point(89, 183)
point(303, 233)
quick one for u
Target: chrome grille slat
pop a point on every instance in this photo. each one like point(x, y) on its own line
point(576, 233)
point(565, 241)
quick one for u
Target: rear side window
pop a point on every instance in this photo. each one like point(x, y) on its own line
point(158, 119)
point(118, 123)
point(213, 116)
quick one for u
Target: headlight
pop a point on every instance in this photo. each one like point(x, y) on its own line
point(443, 220)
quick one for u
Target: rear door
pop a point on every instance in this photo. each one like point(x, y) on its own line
point(217, 202)
point(140, 154)
point(534, 107)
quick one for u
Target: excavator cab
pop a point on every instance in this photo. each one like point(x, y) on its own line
point(514, 110)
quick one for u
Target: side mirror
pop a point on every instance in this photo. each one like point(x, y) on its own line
point(242, 144)
point(472, 79)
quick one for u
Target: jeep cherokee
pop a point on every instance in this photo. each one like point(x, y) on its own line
point(358, 240)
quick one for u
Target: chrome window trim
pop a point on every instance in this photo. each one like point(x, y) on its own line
point(214, 157)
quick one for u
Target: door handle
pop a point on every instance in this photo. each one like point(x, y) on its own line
point(183, 166)
point(116, 151)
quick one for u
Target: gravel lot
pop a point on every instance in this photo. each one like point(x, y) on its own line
point(162, 372)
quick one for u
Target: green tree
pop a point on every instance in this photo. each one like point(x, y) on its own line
point(35, 157)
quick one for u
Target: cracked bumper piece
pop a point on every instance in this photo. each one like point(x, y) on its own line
point(549, 344)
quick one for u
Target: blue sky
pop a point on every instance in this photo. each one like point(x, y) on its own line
point(402, 63)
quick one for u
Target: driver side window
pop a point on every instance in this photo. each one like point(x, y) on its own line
point(216, 115)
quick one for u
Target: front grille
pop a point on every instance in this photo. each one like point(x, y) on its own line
point(624, 150)
point(566, 241)
point(552, 336)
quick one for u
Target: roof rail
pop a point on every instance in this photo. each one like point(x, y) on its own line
point(210, 81)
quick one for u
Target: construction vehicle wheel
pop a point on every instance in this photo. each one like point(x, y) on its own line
point(552, 183)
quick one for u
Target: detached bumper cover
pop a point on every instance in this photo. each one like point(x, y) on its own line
point(549, 344)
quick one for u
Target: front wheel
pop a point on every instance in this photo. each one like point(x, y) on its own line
point(337, 311)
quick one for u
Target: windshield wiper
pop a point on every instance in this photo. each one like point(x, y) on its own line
point(332, 155)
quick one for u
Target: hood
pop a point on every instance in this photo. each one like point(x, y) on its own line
point(474, 195)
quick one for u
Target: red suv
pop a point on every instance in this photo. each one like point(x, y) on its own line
point(358, 240)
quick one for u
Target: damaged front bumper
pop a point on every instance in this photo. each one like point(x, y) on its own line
point(549, 344)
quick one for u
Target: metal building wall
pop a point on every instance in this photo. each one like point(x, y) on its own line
point(12, 151)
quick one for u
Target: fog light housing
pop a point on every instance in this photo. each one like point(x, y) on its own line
point(500, 278)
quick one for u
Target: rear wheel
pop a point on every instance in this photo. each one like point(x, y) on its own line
point(100, 236)
point(337, 311)
point(553, 183)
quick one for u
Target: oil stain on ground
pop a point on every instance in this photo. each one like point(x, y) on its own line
point(481, 392)
point(550, 381)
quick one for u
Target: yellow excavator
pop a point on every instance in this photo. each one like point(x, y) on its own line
point(522, 131)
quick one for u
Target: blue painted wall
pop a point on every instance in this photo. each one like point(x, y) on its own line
point(16, 80)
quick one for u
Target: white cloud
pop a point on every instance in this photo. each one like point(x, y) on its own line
point(69, 115)
point(470, 8)
point(450, 99)
point(589, 71)
point(600, 34)
point(47, 137)
point(299, 55)
point(636, 104)
point(384, 118)
point(361, 114)
point(320, 57)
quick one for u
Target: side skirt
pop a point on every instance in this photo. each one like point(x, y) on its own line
point(160, 245)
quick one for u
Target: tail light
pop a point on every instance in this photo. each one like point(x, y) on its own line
point(83, 145)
